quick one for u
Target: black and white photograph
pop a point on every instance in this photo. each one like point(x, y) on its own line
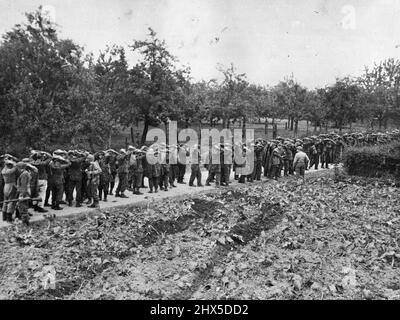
point(224, 151)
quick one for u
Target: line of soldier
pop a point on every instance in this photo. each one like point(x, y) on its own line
point(93, 176)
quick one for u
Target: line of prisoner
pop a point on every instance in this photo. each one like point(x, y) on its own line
point(92, 177)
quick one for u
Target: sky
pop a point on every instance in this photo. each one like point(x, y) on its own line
point(316, 41)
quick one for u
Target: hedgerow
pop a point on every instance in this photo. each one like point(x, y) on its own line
point(373, 161)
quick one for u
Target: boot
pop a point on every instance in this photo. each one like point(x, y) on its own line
point(57, 207)
point(46, 204)
point(123, 196)
point(138, 192)
point(78, 205)
point(4, 216)
point(70, 203)
point(41, 210)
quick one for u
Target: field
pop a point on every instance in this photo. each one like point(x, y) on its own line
point(325, 239)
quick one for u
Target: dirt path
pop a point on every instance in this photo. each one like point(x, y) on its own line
point(146, 198)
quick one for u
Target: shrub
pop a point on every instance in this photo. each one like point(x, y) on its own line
point(373, 161)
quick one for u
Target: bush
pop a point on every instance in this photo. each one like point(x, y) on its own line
point(373, 161)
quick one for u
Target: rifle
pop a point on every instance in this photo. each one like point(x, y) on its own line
point(22, 199)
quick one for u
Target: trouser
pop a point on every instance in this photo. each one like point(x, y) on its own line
point(103, 189)
point(92, 191)
point(181, 172)
point(300, 169)
point(123, 182)
point(42, 189)
point(49, 190)
point(84, 187)
point(131, 177)
point(137, 180)
point(10, 193)
point(257, 170)
point(211, 175)
point(225, 173)
point(66, 188)
point(195, 174)
point(153, 183)
point(173, 173)
point(287, 167)
point(163, 180)
point(275, 171)
point(112, 181)
point(23, 207)
point(1, 189)
point(77, 185)
point(57, 191)
point(325, 161)
point(314, 160)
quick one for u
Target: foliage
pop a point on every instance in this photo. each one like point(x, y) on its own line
point(373, 161)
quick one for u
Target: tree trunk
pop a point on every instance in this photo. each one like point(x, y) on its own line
point(266, 127)
point(243, 127)
point(307, 129)
point(166, 132)
point(291, 123)
point(296, 126)
point(145, 130)
point(132, 135)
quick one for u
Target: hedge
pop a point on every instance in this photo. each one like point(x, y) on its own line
point(373, 161)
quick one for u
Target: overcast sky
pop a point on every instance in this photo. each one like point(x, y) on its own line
point(315, 40)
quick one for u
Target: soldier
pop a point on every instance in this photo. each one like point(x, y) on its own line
point(23, 191)
point(34, 182)
point(173, 165)
point(140, 156)
point(84, 188)
point(258, 157)
point(195, 166)
point(287, 159)
point(112, 161)
point(214, 166)
point(74, 175)
point(58, 166)
point(153, 171)
point(165, 167)
point(300, 162)
point(225, 161)
point(122, 170)
point(9, 174)
point(41, 161)
point(314, 156)
point(183, 153)
point(105, 175)
point(131, 167)
point(93, 173)
point(277, 159)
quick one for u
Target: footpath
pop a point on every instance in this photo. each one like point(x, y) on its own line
point(146, 198)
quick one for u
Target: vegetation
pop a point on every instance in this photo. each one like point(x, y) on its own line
point(376, 161)
point(53, 94)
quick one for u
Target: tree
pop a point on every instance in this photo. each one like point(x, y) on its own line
point(157, 86)
point(380, 86)
point(291, 100)
point(342, 101)
point(46, 89)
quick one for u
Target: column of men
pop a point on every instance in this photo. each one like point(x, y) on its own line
point(76, 176)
